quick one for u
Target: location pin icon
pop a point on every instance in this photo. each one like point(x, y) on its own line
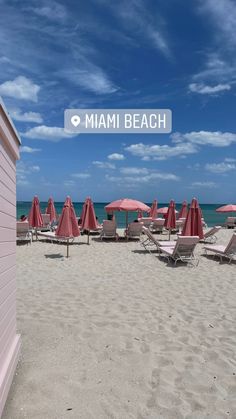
point(75, 120)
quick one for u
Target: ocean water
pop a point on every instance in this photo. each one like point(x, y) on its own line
point(210, 215)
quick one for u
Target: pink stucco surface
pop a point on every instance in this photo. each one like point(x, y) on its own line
point(9, 340)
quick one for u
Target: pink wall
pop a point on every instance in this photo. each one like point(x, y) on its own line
point(9, 340)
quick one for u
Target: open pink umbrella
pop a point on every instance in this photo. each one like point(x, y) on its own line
point(51, 210)
point(184, 210)
point(35, 216)
point(153, 212)
point(227, 208)
point(170, 220)
point(193, 223)
point(127, 205)
point(68, 226)
point(88, 217)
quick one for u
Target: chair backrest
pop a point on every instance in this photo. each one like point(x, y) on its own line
point(158, 222)
point(22, 227)
point(231, 247)
point(147, 221)
point(150, 235)
point(185, 246)
point(109, 228)
point(46, 220)
point(135, 228)
point(212, 231)
point(230, 220)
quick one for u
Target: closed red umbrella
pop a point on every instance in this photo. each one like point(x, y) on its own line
point(193, 223)
point(170, 220)
point(88, 217)
point(35, 216)
point(127, 205)
point(68, 226)
point(51, 210)
point(184, 210)
point(153, 212)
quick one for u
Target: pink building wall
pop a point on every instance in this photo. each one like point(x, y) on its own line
point(9, 340)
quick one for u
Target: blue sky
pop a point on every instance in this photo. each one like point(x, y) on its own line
point(126, 54)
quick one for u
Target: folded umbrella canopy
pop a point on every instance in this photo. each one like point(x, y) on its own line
point(193, 223)
point(153, 211)
point(68, 227)
point(88, 217)
point(170, 220)
point(184, 210)
point(35, 216)
point(127, 205)
point(51, 210)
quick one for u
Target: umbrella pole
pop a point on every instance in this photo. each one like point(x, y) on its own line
point(169, 233)
point(67, 251)
point(126, 219)
point(88, 237)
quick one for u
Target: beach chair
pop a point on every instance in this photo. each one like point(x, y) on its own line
point(149, 241)
point(134, 230)
point(46, 223)
point(182, 251)
point(157, 225)
point(146, 221)
point(210, 235)
point(228, 252)
point(180, 223)
point(230, 222)
point(23, 233)
point(109, 230)
point(51, 235)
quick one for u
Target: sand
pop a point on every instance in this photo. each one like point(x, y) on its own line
point(114, 332)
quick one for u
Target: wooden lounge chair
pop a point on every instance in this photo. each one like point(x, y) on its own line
point(183, 250)
point(210, 235)
point(109, 230)
point(228, 252)
point(134, 230)
point(23, 233)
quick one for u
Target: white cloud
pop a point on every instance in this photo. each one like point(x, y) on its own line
point(134, 170)
point(210, 185)
point(160, 152)
point(148, 177)
point(69, 183)
point(81, 175)
point(30, 150)
point(104, 165)
point(201, 138)
point(20, 88)
point(90, 77)
point(51, 10)
point(43, 132)
point(23, 171)
point(17, 115)
point(223, 167)
point(204, 89)
point(116, 156)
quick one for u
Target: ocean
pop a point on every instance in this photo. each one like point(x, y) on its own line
point(210, 215)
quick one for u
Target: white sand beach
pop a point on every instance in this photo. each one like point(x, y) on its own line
point(114, 332)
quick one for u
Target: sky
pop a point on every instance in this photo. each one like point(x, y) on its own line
point(122, 54)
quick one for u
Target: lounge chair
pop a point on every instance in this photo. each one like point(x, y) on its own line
point(146, 221)
point(46, 223)
point(227, 252)
point(230, 222)
point(180, 223)
point(23, 233)
point(210, 235)
point(51, 235)
point(183, 250)
point(157, 225)
point(109, 230)
point(151, 241)
point(134, 230)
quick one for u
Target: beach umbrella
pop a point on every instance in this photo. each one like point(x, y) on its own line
point(51, 210)
point(170, 220)
point(153, 212)
point(88, 217)
point(164, 210)
point(127, 205)
point(35, 216)
point(184, 210)
point(227, 208)
point(193, 222)
point(68, 226)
